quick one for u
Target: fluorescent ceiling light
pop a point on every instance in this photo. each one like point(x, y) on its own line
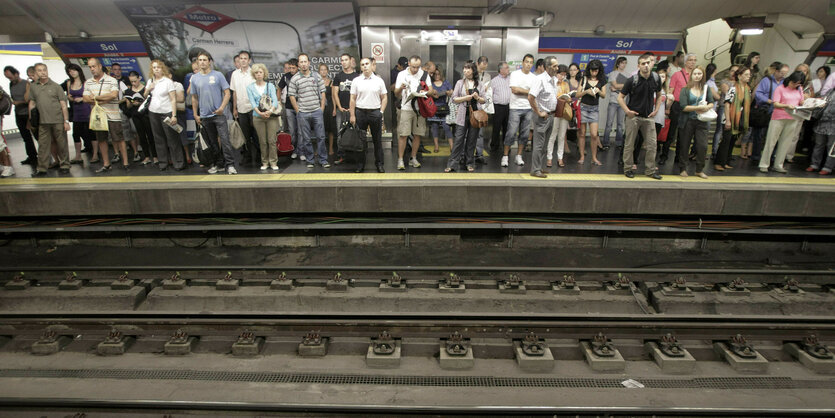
point(754, 31)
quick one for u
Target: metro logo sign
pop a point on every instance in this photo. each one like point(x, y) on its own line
point(203, 18)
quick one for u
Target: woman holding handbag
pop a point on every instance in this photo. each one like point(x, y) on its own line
point(694, 100)
point(468, 96)
point(441, 96)
point(265, 112)
point(782, 126)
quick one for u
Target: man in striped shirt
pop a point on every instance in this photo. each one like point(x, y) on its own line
point(307, 95)
point(501, 104)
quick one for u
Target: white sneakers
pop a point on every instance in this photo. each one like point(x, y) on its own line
point(274, 167)
point(294, 156)
point(231, 170)
point(414, 162)
point(303, 158)
point(8, 171)
point(504, 161)
point(519, 160)
point(400, 165)
point(263, 167)
point(213, 169)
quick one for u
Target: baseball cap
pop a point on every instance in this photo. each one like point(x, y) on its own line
point(402, 61)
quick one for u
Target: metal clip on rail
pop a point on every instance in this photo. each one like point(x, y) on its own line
point(670, 347)
point(313, 345)
point(816, 349)
point(513, 284)
point(394, 284)
point(741, 348)
point(337, 283)
point(602, 346)
point(457, 345)
point(533, 346)
point(282, 282)
point(384, 344)
point(452, 284)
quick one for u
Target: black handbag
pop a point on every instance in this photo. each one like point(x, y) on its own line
point(350, 138)
point(34, 118)
point(761, 113)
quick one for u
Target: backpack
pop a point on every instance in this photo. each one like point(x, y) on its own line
point(425, 105)
point(5, 103)
point(284, 144)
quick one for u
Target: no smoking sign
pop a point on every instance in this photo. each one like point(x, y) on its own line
point(378, 52)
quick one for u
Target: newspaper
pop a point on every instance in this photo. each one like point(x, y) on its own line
point(804, 111)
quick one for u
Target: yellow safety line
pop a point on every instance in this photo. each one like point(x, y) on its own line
point(397, 176)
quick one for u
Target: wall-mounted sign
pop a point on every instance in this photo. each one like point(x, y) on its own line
point(102, 49)
point(203, 18)
point(21, 49)
point(827, 49)
point(617, 46)
point(378, 52)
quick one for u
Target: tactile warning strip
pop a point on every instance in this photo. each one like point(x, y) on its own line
point(437, 381)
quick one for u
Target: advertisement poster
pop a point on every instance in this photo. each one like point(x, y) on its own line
point(608, 60)
point(273, 32)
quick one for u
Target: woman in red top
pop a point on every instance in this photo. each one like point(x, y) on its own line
point(782, 125)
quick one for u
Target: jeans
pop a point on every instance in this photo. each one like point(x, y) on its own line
point(267, 129)
point(167, 141)
point(558, 135)
point(518, 125)
point(675, 111)
point(372, 118)
point(479, 145)
point(542, 128)
point(463, 145)
point(312, 126)
point(499, 124)
point(823, 143)
point(726, 147)
point(146, 136)
point(436, 126)
point(615, 113)
point(718, 133)
point(217, 130)
point(647, 128)
point(28, 141)
point(695, 130)
point(250, 136)
point(780, 132)
point(293, 127)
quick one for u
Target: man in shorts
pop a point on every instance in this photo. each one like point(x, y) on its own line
point(410, 122)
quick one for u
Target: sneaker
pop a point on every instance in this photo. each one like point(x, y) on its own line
point(116, 158)
point(780, 170)
point(414, 163)
point(519, 160)
point(263, 167)
point(213, 169)
point(303, 158)
point(763, 169)
point(400, 165)
point(8, 171)
point(326, 165)
point(339, 161)
point(231, 170)
point(504, 161)
point(824, 172)
point(309, 165)
point(539, 174)
point(274, 167)
point(136, 157)
point(294, 156)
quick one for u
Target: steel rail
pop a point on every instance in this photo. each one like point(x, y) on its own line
point(488, 269)
point(648, 327)
point(404, 227)
point(113, 406)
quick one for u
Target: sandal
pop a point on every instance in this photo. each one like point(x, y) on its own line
point(470, 168)
point(448, 170)
point(596, 163)
point(549, 164)
point(560, 163)
point(95, 160)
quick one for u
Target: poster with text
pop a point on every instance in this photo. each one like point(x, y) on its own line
point(273, 32)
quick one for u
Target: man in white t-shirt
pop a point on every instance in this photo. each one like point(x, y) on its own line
point(242, 108)
point(410, 122)
point(519, 120)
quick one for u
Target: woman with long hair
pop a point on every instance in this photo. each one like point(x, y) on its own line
point(163, 96)
point(737, 105)
point(574, 78)
point(329, 114)
point(782, 126)
point(134, 98)
point(441, 97)
point(694, 99)
point(590, 92)
point(467, 95)
point(752, 61)
point(80, 114)
point(560, 124)
point(712, 89)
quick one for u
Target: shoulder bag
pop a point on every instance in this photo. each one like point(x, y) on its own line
point(761, 115)
point(710, 115)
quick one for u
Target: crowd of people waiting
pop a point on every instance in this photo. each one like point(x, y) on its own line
point(544, 102)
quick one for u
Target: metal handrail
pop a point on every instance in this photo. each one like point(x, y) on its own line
point(715, 51)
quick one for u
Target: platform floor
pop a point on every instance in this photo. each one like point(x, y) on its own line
point(745, 170)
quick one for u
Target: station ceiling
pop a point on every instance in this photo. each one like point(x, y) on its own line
point(27, 20)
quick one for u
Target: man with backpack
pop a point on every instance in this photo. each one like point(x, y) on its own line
point(644, 91)
point(411, 80)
